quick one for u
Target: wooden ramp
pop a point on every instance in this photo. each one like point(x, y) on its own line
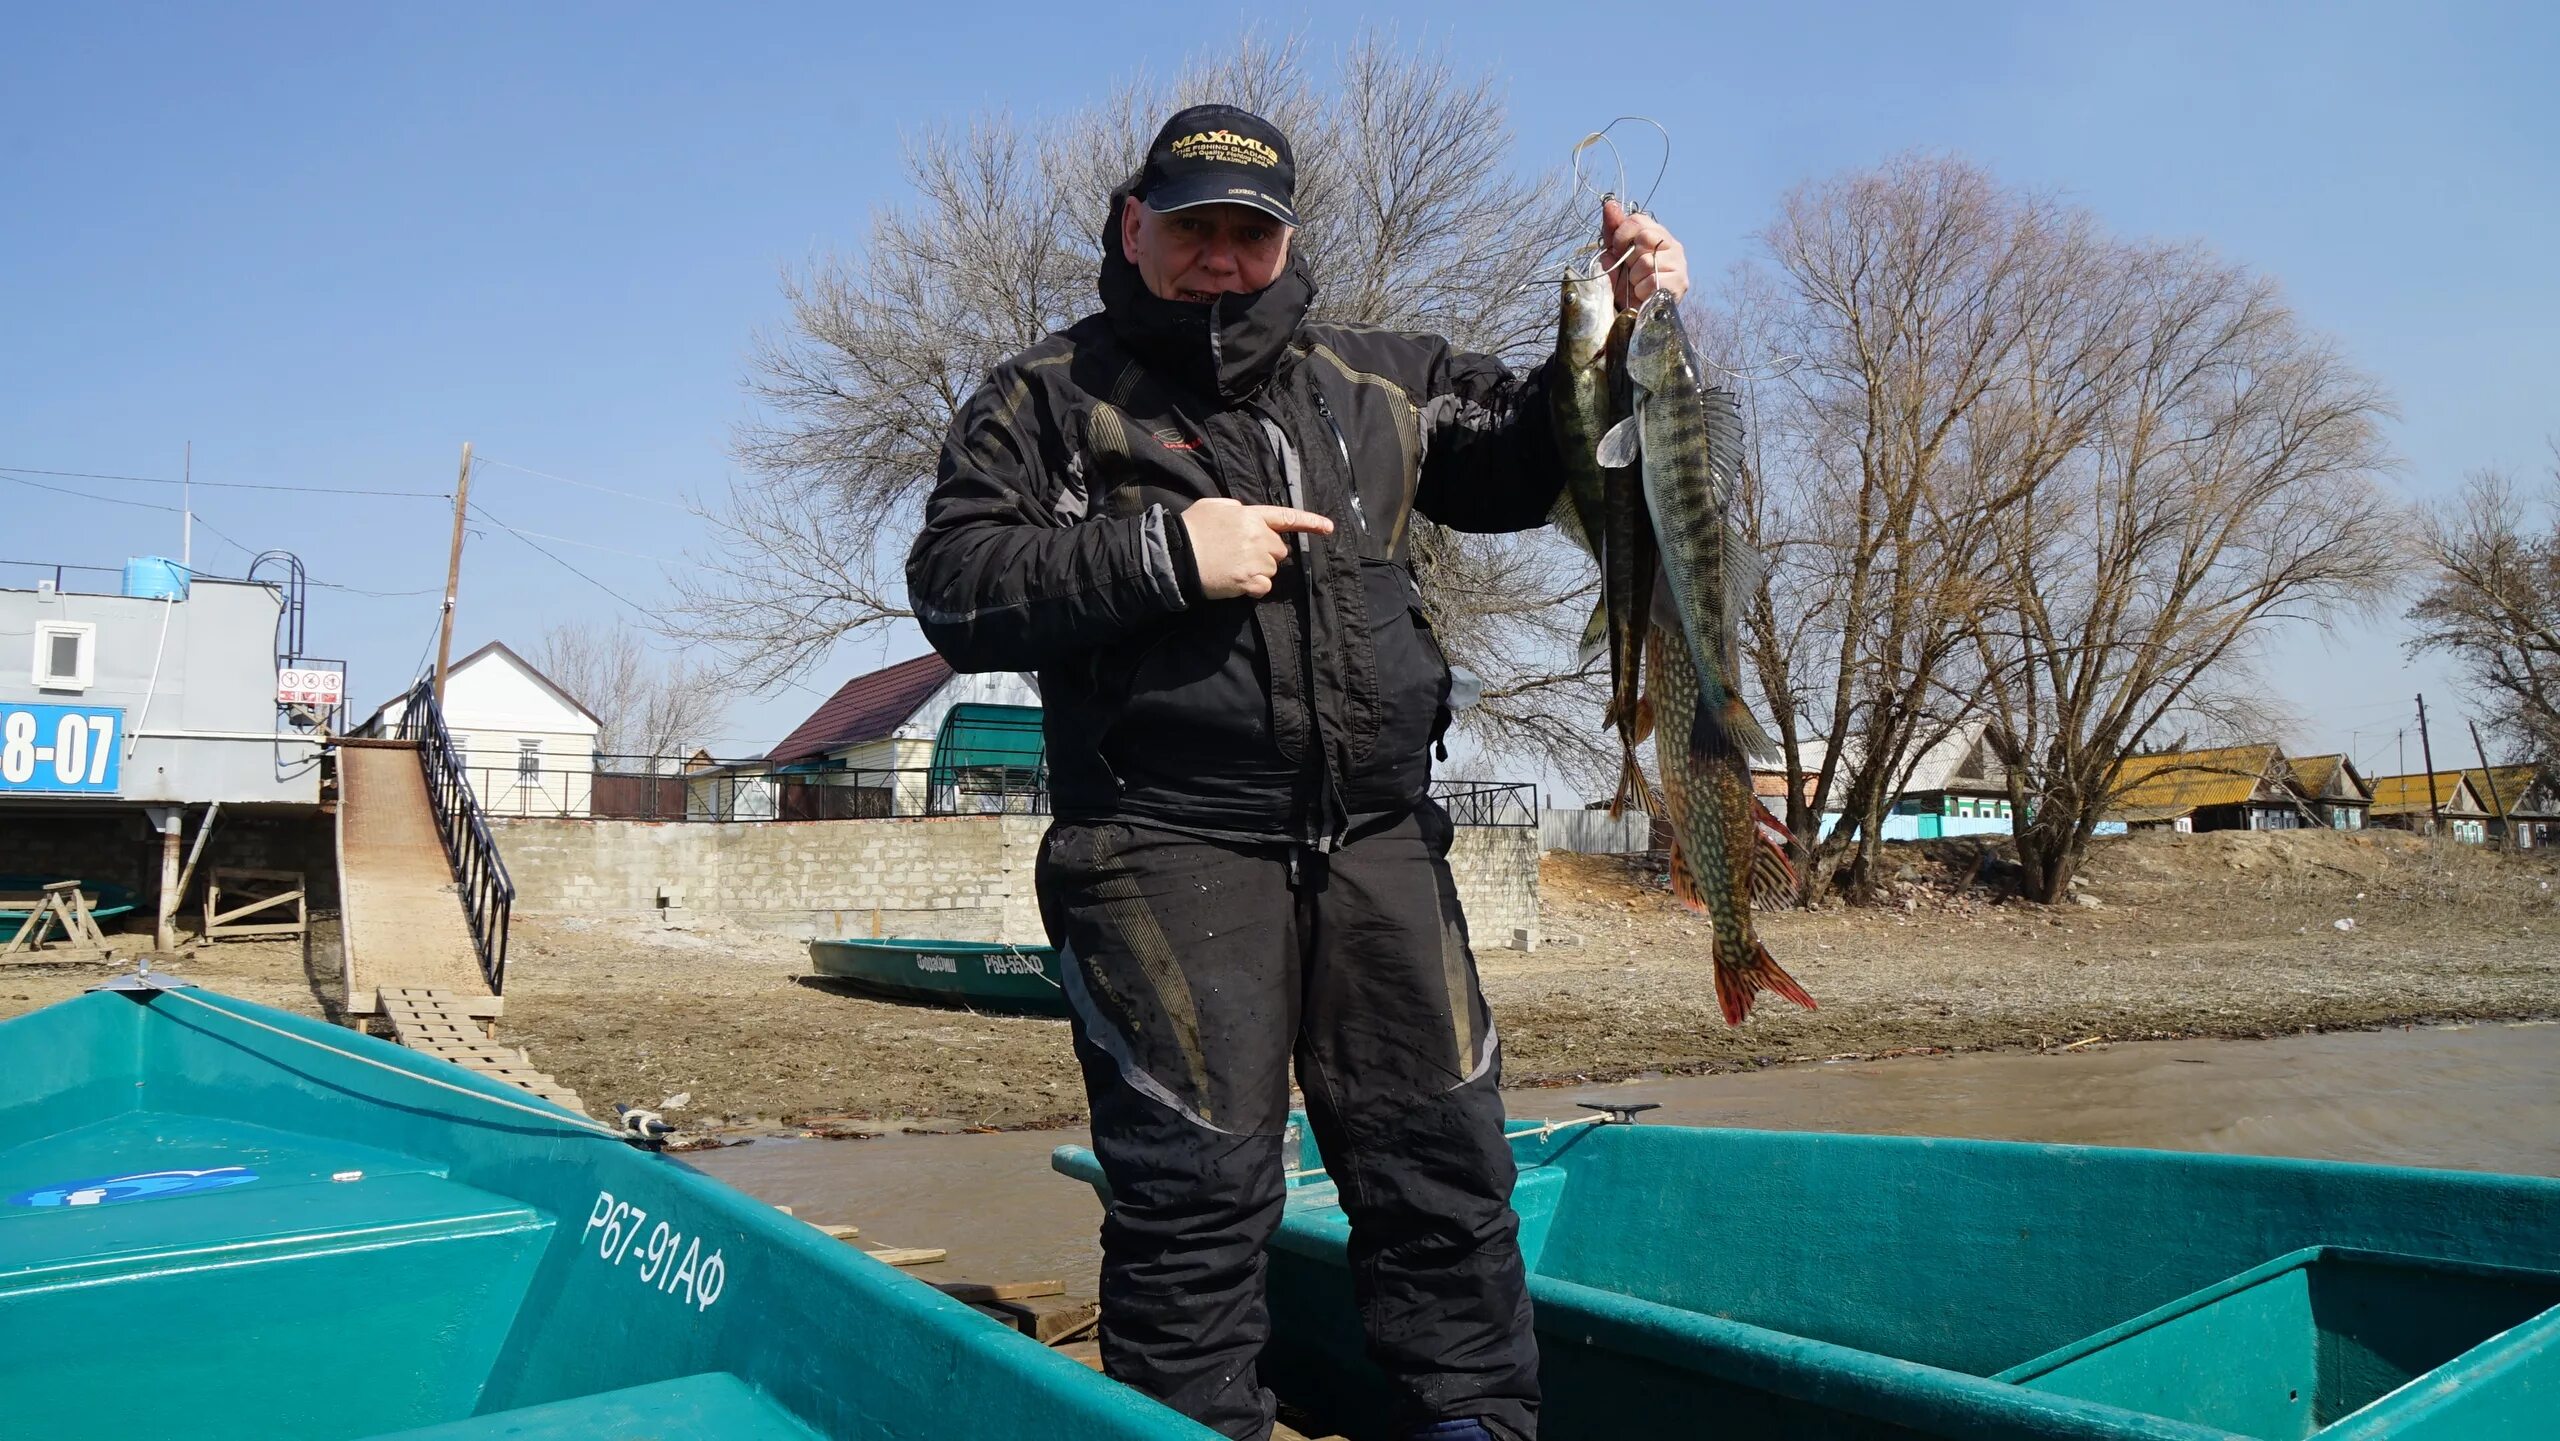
point(403, 919)
point(440, 1025)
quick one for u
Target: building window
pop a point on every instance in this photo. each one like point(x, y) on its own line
point(66, 655)
point(528, 759)
point(461, 751)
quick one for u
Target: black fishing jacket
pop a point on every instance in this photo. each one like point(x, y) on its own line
point(1052, 542)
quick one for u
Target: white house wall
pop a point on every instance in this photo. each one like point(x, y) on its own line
point(563, 785)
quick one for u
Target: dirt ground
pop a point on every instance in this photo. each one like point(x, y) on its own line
point(2231, 934)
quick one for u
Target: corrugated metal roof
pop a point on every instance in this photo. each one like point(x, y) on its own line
point(865, 708)
point(2227, 776)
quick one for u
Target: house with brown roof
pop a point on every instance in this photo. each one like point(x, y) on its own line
point(2523, 803)
point(2227, 788)
point(2414, 802)
point(2337, 792)
point(870, 749)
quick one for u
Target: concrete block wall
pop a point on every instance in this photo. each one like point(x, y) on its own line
point(1496, 868)
point(965, 878)
point(961, 878)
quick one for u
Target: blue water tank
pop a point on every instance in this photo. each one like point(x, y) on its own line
point(152, 577)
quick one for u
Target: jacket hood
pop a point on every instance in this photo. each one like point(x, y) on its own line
point(1221, 351)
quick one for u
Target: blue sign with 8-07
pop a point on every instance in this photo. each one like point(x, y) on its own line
point(60, 748)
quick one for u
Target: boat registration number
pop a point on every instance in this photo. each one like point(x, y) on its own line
point(670, 1262)
point(943, 964)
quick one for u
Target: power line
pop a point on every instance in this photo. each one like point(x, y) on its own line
point(564, 565)
point(88, 495)
point(589, 485)
point(227, 484)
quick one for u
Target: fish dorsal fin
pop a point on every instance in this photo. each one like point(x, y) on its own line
point(1623, 445)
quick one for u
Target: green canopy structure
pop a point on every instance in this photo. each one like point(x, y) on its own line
point(990, 758)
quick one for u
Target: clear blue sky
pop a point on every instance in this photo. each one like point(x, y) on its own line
point(330, 244)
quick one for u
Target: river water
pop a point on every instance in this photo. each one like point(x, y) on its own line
point(2469, 1097)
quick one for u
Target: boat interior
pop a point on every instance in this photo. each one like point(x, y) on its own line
point(220, 1221)
point(1808, 1285)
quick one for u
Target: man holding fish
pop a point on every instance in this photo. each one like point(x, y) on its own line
point(1189, 513)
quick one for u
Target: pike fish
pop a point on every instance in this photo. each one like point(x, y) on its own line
point(1687, 442)
point(1603, 510)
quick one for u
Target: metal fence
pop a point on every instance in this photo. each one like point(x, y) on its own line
point(666, 788)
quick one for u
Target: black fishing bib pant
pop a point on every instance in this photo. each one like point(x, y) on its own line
point(1197, 971)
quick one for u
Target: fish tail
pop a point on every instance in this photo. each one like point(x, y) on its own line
point(1632, 790)
point(1644, 720)
point(1738, 985)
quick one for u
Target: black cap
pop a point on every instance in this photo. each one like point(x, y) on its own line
point(1219, 155)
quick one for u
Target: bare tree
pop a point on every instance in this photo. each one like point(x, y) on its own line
point(2493, 603)
point(648, 704)
point(1901, 298)
point(2198, 472)
point(2026, 479)
point(1414, 219)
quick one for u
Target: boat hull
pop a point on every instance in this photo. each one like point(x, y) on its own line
point(993, 976)
point(222, 1221)
point(1781, 1285)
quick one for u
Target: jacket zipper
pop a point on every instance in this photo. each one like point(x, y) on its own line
point(1350, 477)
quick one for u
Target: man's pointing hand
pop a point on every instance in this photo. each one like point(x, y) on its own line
point(1237, 548)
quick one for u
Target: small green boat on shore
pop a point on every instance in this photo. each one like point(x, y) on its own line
point(1778, 1286)
point(222, 1222)
point(983, 975)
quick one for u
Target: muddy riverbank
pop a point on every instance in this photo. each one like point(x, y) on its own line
point(2227, 935)
point(2197, 936)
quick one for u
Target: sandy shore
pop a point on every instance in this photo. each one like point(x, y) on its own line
point(2221, 935)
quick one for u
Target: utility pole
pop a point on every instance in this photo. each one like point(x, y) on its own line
point(2488, 777)
point(453, 571)
point(187, 511)
point(2426, 757)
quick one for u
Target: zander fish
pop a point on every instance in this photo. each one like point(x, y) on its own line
point(1603, 511)
point(1687, 442)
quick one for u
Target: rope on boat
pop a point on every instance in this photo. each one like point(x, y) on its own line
point(1539, 1132)
point(556, 1117)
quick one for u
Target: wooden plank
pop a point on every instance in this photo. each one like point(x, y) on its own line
point(1045, 1319)
point(840, 1233)
point(907, 1255)
point(975, 1292)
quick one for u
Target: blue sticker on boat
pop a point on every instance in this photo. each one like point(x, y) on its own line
point(140, 1186)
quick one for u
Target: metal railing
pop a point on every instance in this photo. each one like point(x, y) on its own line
point(1488, 803)
point(671, 788)
point(479, 872)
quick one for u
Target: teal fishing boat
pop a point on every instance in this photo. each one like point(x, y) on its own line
point(226, 1223)
point(1750, 1285)
point(986, 975)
